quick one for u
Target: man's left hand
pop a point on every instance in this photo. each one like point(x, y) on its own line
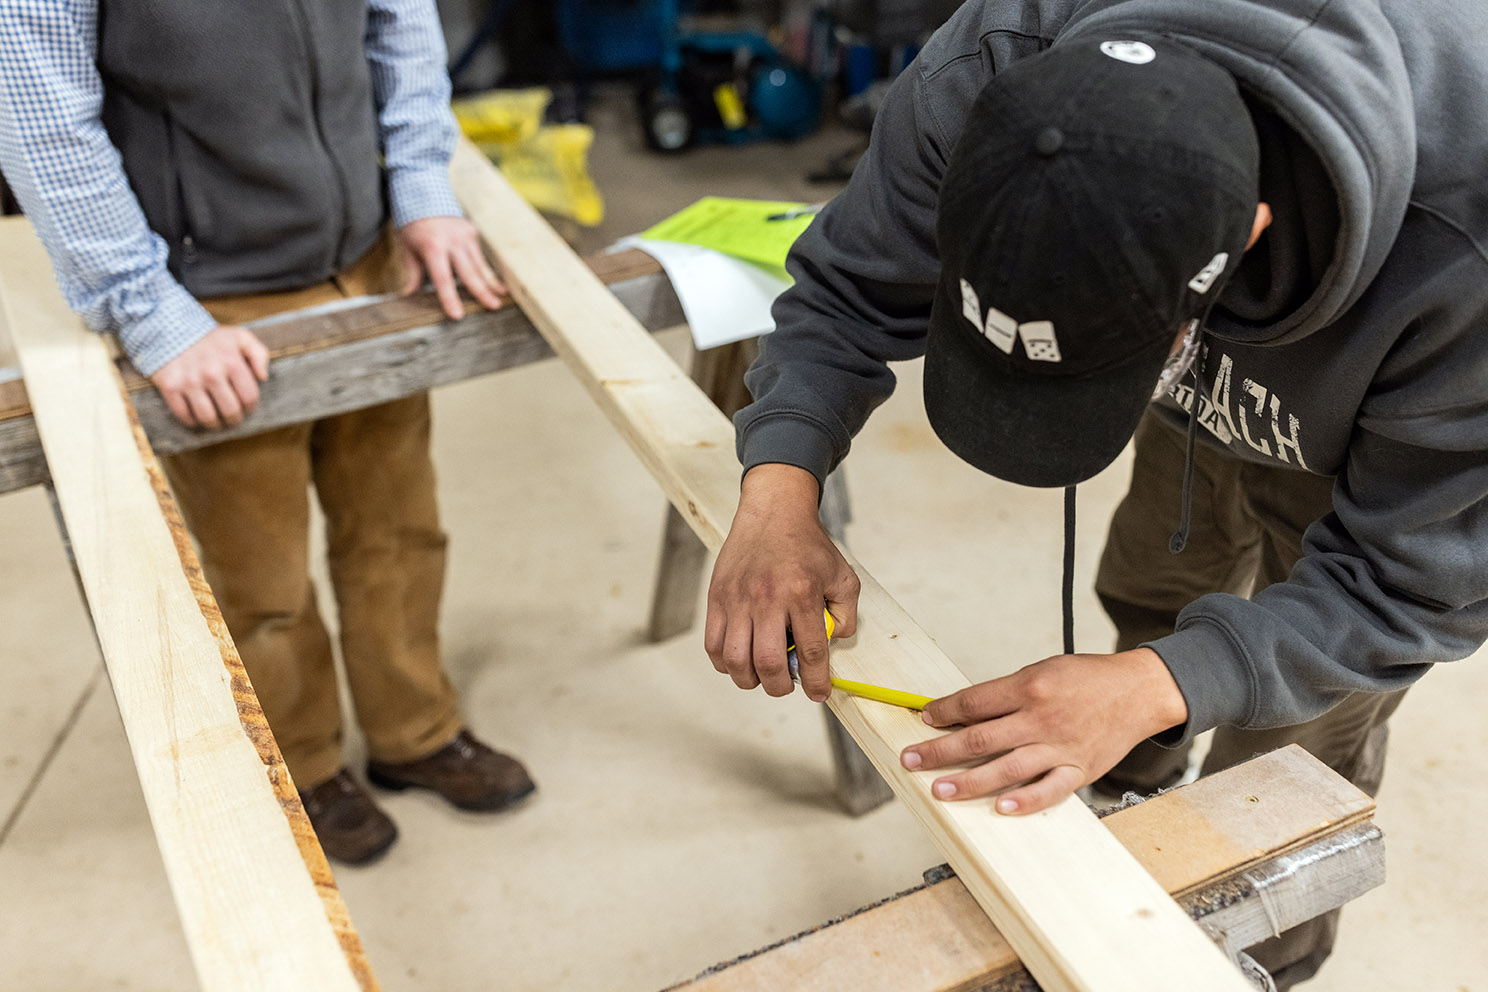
point(1049, 728)
point(446, 249)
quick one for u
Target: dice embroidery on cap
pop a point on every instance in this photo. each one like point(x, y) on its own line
point(1001, 330)
point(1039, 342)
point(1201, 282)
point(971, 307)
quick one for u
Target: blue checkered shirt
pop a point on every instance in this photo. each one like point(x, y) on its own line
point(68, 176)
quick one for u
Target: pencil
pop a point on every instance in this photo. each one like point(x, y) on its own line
point(895, 697)
point(909, 700)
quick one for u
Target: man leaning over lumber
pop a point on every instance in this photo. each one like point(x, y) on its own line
point(1253, 235)
point(193, 167)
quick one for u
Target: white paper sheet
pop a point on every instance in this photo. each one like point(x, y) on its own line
point(724, 299)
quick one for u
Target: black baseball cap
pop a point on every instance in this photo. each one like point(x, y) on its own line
point(1100, 195)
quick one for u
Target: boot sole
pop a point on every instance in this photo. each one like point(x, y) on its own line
point(363, 858)
point(504, 801)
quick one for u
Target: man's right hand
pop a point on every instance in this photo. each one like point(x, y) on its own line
point(214, 383)
point(776, 570)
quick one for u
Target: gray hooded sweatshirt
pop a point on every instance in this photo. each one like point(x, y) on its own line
point(1353, 342)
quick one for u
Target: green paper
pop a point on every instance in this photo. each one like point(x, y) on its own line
point(740, 228)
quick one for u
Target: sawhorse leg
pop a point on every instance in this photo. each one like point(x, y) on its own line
point(859, 787)
point(720, 373)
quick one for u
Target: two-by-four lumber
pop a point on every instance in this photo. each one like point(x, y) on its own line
point(257, 901)
point(340, 357)
point(1079, 911)
point(1218, 830)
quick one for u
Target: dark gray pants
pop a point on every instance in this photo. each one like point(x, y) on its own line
point(1246, 533)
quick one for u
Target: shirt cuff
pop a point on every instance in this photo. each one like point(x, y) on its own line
point(420, 193)
point(176, 322)
point(787, 439)
point(1213, 675)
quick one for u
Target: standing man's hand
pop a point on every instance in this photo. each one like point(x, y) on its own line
point(214, 383)
point(776, 570)
point(448, 248)
point(1048, 728)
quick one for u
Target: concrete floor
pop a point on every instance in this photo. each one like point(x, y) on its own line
point(680, 822)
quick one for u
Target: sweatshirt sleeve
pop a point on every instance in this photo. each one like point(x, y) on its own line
point(1392, 581)
point(865, 274)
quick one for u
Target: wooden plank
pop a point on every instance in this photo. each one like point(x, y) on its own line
point(257, 901)
point(22, 463)
point(936, 939)
point(1081, 913)
point(254, 724)
point(334, 359)
point(719, 373)
point(319, 328)
point(1229, 822)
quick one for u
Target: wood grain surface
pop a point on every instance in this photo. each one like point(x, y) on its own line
point(936, 938)
point(347, 357)
point(257, 902)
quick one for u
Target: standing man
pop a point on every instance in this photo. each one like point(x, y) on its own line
point(192, 167)
point(1258, 225)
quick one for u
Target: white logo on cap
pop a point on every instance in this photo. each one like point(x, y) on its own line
point(1135, 52)
point(1039, 342)
point(1201, 282)
point(971, 308)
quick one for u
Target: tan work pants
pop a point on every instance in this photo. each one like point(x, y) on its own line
point(1246, 533)
point(247, 504)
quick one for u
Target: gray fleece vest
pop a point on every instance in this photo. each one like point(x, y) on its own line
point(248, 133)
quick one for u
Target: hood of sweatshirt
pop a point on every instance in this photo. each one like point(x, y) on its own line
point(1339, 78)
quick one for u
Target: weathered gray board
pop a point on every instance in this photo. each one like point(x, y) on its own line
point(332, 359)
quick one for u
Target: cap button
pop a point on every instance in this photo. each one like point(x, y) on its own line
point(1049, 141)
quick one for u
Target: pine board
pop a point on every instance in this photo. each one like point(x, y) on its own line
point(257, 902)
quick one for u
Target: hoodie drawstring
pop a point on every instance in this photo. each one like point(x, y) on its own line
point(1179, 540)
point(1069, 569)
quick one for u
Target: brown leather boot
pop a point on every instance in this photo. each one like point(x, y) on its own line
point(464, 771)
point(351, 828)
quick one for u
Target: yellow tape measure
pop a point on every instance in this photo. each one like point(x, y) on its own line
point(895, 697)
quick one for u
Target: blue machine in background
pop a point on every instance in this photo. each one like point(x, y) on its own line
point(701, 83)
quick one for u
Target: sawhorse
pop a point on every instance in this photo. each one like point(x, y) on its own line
point(1248, 852)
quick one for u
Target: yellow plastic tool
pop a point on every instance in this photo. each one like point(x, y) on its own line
point(894, 697)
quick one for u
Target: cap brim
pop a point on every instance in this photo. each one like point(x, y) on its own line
point(1033, 430)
